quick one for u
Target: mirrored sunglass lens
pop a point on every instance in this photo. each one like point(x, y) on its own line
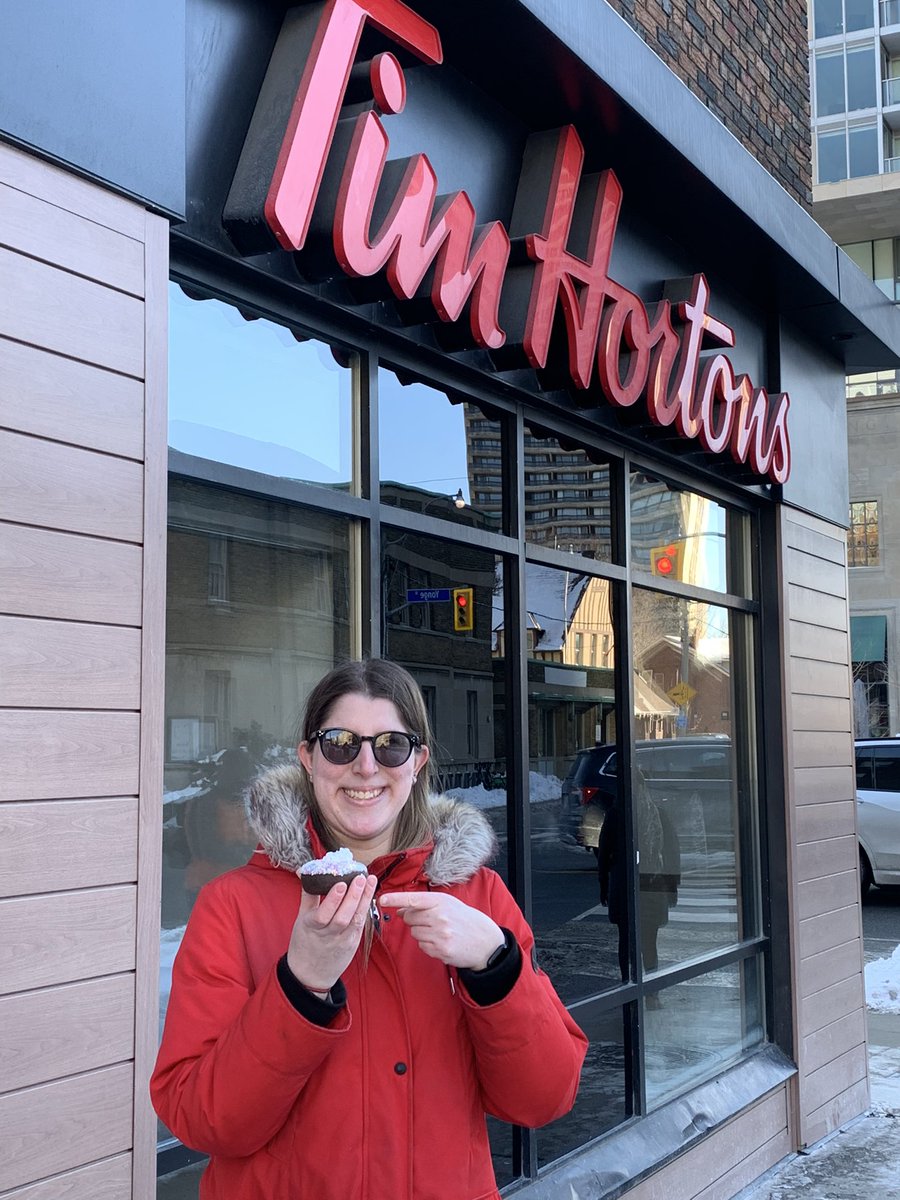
point(340, 745)
point(392, 749)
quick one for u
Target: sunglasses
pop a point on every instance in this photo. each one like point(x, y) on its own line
point(390, 749)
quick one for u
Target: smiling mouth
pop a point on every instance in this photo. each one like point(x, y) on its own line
point(368, 794)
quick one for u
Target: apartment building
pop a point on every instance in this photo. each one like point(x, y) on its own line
point(855, 72)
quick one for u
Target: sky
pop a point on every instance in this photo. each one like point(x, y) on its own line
point(249, 394)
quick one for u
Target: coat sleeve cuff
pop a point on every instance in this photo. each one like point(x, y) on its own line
point(316, 1010)
point(496, 982)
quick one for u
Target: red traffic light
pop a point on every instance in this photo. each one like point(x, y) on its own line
point(462, 610)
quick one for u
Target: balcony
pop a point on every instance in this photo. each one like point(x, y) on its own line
point(890, 90)
point(889, 13)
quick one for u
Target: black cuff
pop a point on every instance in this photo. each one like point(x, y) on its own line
point(308, 1005)
point(493, 984)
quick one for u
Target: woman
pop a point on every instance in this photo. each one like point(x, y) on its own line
point(347, 1047)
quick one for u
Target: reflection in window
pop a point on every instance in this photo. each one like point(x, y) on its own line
point(247, 393)
point(459, 673)
point(829, 82)
point(831, 155)
point(697, 894)
point(604, 1094)
point(571, 734)
point(696, 1029)
point(237, 678)
point(571, 475)
point(863, 541)
point(680, 535)
point(437, 457)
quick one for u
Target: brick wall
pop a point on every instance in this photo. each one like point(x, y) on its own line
point(747, 61)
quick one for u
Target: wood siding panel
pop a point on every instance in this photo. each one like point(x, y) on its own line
point(818, 679)
point(61, 1031)
point(816, 542)
point(66, 239)
point(804, 604)
point(823, 970)
point(79, 754)
point(834, 1113)
point(68, 664)
point(46, 574)
point(826, 957)
point(821, 712)
point(64, 937)
point(833, 1040)
point(824, 785)
point(818, 821)
point(55, 397)
point(153, 705)
point(107, 1180)
point(68, 488)
point(816, 574)
point(718, 1158)
point(827, 645)
point(29, 174)
point(48, 846)
point(57, 311)
point(827, 857)
point(830, 1004)
point(818, 896)
point(60, 1125)
point(837, 1076)
point(821, 748)
point(830, 929)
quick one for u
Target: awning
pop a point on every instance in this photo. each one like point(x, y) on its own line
point(868, 639)
point(650, 702)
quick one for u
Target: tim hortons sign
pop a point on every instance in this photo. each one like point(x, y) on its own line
point(315, 176)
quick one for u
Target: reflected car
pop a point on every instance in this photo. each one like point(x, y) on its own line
point(692, 776)
point(878, 811)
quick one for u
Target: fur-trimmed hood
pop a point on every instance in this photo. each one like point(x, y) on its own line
point(463, 838)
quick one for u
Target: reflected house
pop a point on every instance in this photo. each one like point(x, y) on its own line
point(258, 610)
point(703, 664)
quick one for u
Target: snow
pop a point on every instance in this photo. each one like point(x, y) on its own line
point(169, 941)
point(883, 984)
point(541, 788)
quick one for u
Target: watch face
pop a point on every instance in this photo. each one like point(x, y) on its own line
point(497, 955)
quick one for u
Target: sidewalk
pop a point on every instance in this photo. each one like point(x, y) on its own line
point(862, 1159)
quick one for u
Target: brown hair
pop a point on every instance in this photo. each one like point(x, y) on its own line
point(379, 680)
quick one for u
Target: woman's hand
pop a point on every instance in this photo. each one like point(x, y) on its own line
point(327, 932)
point(447, 928)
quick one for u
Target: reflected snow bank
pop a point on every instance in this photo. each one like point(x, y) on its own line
point(540, 788)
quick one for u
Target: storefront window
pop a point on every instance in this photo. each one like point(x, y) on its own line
point(461, 673)
point(687, 537)
point(567, 502)
point(697, 1028)
point(241, 658)
point(246, 392)
point(695, 895)
point(571, 707)
point(438, 458)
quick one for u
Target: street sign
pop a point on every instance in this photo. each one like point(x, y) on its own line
point(681, 693)
point(427, 595)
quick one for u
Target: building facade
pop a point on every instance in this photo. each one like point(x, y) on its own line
point(326, 329)
point(854, 52)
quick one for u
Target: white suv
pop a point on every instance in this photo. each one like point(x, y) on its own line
point(878, 810)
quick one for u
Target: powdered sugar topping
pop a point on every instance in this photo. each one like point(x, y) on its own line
point(335, 862)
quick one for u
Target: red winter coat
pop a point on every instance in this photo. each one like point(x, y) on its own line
point(388, 1102)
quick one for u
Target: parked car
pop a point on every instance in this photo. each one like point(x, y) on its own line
point(691, 776)
point(878, 811)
